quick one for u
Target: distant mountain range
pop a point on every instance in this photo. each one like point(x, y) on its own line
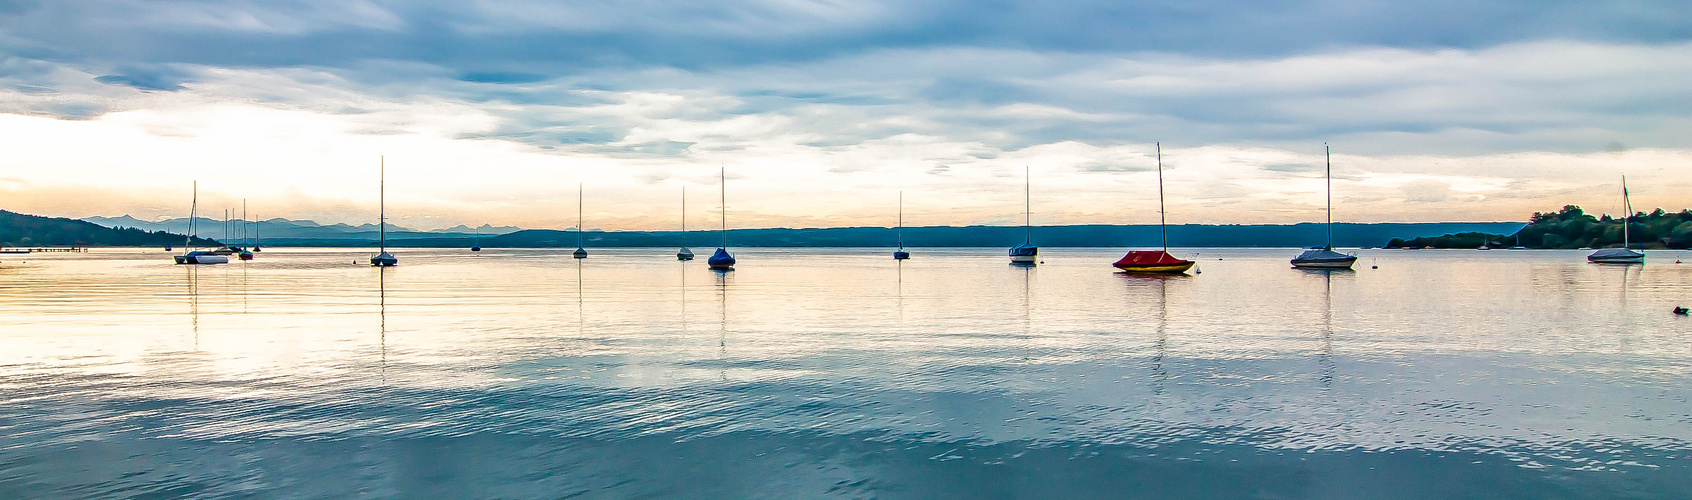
point(285, 232)
point(21, 230)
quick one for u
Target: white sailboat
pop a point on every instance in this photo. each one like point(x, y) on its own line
point(383, 259)
point(1026, 253)
point(684, 253)
point(900, 253)
point(189, 254)
point(1324, 257)
point(1625, 254)
point(580, 253)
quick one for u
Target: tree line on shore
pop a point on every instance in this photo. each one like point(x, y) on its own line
point(21, 230)
point(1572, 227)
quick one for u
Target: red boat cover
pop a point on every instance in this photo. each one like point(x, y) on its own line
point(1148, 258)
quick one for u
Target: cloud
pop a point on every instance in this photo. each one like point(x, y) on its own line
point(949, 100)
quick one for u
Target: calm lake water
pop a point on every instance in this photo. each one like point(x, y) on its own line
point(841, 373)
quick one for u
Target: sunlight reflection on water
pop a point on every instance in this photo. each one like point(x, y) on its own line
point(811, 372)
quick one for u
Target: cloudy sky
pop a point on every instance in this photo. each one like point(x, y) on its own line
point(821, 112)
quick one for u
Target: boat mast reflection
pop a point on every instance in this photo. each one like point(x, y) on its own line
point(193, 279)
point(1325, 355)
point(1325, 358)
point(722, 313)
point(382, 321)
point(1160, 345)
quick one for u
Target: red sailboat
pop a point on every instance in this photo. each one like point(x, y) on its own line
point(1155, 261)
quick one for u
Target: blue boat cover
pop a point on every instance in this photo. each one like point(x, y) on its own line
point(721, 259)
point(1024, 250)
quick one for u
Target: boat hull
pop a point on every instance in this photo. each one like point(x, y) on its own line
point(1177, 268)
point(579, 253)
point(1325, 263)
point(1616, 260)
point(901, 255)
point(201, 259)
point(684, 254)
point(1025, 254)
point(721, 260)
point(1616, 256)
point(383, 259)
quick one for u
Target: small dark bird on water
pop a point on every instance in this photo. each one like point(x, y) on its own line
point(1680, 310)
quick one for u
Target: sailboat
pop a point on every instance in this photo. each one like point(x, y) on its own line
point(721, 260)
point(189, 255)
point(1625, 254)
point(383, 259)
point(1324, 257)
point(684, 253)
point(256, 226)
point(901, 254)
point(476, 241)
point(225, 248)
point(580, 253)
point(1026, 253)
point(1155, 261)
point(245, 253)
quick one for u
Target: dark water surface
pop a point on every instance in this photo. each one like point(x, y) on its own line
point(825, 372)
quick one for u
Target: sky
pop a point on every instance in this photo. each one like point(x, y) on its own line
point(820, 113)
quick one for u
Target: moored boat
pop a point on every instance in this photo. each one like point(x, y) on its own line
point(900, 253)
point(684, 253)
point(721, 260)
point(1324, 257)
point(1152, 261)
point(1155, 261)
point(189, 255)
point(580, 253)
point(1026, 254)
point(1625, 254)
point(382, 258)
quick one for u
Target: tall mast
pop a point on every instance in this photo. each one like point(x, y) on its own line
point(1330, 154)
point(723, 181)
point(244, 242)
point(1162, 221)
point(684, 215)
point(1627, 204)
point(901, 232)
point(193, 212)
point(382, 201)
point(1027, 205)
point(578, 215)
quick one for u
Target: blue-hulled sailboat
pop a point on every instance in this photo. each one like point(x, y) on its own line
point(721, 260)
point(900, 253)
point(580, 253)
point(383, 258)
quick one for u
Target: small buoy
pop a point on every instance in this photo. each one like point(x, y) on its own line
point(1374, 267)
point(1042, 262)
